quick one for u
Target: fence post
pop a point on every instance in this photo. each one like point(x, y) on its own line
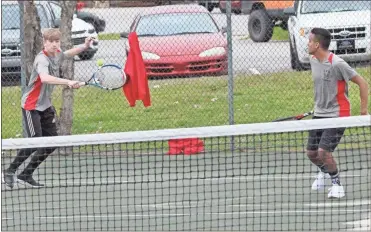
point(23, 65)
point(230, 67)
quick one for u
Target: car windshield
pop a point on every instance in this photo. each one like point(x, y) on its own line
point(10, 17)
point(176, 24)
point(334, 6)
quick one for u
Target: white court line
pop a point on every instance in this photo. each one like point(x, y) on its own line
point(227, 213)
point(165, 204)
point(330, 211)
point(273, 176)
point(345, 203)
point(6, 218)
point(189, 204)
point(364, 224)
point(254, 71)
point(321, 204)
point(120, 181)
point(112, 216)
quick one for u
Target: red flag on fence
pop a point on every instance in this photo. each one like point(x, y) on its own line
point(136, 87)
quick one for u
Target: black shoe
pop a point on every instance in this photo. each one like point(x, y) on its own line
point(8, 178)
point(28, 181)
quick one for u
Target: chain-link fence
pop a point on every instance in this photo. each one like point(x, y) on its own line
point(242, 62)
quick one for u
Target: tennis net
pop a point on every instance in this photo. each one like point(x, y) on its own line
point(253, 177)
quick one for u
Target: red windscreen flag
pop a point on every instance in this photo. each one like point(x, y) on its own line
point(136, 87)
point(80, 5)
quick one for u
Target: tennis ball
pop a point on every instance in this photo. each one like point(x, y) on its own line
point(100, 62)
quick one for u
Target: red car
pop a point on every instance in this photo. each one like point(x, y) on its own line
point(180, 40)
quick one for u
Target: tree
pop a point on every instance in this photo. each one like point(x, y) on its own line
point(30, 47)
point(67, 68)
point(32, 31)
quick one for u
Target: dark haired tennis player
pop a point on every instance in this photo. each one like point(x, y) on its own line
point(331, 75)
point(37, 109)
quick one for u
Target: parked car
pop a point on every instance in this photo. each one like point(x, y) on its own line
point(180, 40)
point(50, 15)
point(98, 23)
point(348, 22)
point(263, 16)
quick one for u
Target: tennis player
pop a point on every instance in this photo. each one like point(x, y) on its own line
point(37, 109)
point(331, 76)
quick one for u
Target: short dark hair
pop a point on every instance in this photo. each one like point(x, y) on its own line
point(323, 36)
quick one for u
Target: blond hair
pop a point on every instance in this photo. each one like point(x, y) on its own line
point(52, 34)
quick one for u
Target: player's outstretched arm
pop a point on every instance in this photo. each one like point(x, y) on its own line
point(48, 79)
point(75, 51)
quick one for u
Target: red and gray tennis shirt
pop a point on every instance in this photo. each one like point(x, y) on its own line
point(331, 79)
point(37, 95)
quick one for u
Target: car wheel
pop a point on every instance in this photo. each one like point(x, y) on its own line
point(238, 11)
point(283, 25)
point(86, 55)
point(260, 26)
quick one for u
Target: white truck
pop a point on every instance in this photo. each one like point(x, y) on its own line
point(347, 21)
point(209, 4)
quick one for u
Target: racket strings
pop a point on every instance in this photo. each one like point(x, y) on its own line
point(110, 77)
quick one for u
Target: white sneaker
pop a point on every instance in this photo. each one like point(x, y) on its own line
point(320, 181)
point(336, 191)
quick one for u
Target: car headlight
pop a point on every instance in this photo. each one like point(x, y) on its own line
point(304, 32)
point(217, 51)
point(150, 56)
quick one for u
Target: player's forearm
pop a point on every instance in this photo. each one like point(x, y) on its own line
point(75, 51)
point(363, 88)
point(48, 79)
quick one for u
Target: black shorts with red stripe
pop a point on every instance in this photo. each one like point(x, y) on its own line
point(326, 139)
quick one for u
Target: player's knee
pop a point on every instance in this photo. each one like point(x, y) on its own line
point(312, 154)
point(322, 154)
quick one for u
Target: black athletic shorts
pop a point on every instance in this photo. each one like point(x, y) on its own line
point(327, 139)
point(40, 123)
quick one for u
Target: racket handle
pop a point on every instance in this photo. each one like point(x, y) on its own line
point(91, 44)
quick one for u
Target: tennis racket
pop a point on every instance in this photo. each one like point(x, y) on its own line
point(297, 117)
point(108, 77)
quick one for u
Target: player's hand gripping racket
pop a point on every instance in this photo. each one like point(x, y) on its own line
point(297, 117)
point(108, 77)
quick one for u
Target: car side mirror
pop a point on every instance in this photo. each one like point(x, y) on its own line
point(124, 34)
point(289, 11)
point(57, 23)
point(223, 30)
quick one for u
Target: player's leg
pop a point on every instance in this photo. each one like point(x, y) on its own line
point(314, 137)
point(49, 128)
point(33, 129)
point(312, 153)
point(329, 141)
